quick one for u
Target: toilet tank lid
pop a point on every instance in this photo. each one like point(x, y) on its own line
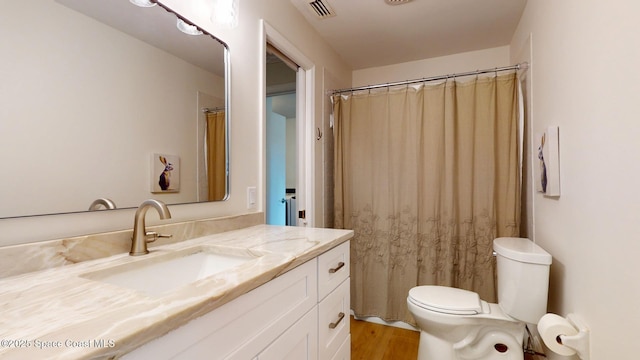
point(521, 249)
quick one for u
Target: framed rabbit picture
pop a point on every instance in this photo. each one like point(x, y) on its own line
point(165, 173)
point(547, 171)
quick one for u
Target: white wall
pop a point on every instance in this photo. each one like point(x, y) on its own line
point(463, 62)
point(585, 78)
point(247, 53)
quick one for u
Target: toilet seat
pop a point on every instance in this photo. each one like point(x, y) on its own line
point(447, 300)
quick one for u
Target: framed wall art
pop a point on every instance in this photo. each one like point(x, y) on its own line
point(165, 173)
point(547, 169)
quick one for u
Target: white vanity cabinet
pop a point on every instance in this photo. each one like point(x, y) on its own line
point(302, 314)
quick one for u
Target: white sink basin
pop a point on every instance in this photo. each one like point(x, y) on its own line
point(158, 275)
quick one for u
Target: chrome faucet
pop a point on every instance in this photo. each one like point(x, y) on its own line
point(140, 235)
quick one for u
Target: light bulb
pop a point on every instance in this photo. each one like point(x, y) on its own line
point(188, 29)
point(143, 3)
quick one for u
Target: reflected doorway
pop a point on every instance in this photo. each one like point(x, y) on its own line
point(281, 139)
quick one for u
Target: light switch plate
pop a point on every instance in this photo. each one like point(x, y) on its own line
point(251, 197)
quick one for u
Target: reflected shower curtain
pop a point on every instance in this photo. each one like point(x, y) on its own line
point(216, 155)
point(427, 177)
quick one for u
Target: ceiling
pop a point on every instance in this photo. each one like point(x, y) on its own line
point(370, 33)
point(366, 33)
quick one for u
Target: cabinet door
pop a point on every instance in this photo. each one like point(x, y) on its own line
point(299, 342)
point(344, 352)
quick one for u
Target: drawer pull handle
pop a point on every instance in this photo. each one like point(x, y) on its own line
point(335, 269)
point(334, 324)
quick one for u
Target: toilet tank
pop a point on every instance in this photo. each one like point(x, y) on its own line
point(523, 278)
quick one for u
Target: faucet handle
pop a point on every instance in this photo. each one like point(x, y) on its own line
point(153, 236)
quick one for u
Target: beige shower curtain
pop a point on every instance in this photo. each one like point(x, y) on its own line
point(426, 176)
point(216, 155)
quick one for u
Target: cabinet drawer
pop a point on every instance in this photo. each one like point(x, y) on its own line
point(333, 320)
point(333, 268)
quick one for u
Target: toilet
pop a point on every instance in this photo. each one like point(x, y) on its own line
point(457, 324)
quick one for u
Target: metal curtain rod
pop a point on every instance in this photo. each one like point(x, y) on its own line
point(434, 78)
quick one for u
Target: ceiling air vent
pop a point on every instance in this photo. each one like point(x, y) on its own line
point(321, 9)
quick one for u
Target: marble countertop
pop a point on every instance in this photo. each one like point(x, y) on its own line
point(60, 313)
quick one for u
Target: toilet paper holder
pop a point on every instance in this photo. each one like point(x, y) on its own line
point(580, 341)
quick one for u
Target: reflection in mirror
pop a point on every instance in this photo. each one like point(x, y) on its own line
point(94, 93)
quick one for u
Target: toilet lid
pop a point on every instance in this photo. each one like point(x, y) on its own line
point(446, 300)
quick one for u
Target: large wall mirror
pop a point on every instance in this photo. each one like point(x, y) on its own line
point(103, 99)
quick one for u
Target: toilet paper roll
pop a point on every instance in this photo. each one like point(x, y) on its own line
point(550, 327)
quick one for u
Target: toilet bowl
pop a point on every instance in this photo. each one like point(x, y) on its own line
point(461, 330)
point(457, 324)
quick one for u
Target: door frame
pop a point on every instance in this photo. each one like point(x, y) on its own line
point(305, 120)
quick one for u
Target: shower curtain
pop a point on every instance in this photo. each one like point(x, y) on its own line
point(216, 155)
point(426, 176)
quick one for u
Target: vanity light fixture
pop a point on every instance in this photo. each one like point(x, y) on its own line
point(225, 12)
point(188, 28)
point(143, 3)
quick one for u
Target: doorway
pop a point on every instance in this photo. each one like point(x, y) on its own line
point(305, 151)
point(281, 139)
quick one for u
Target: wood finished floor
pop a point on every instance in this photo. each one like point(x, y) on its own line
point(371, 341)
point(379, 342)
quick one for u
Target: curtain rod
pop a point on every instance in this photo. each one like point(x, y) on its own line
point(523, 66)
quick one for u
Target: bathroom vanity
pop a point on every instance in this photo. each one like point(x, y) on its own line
point(302, 314)
point(268, 292)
